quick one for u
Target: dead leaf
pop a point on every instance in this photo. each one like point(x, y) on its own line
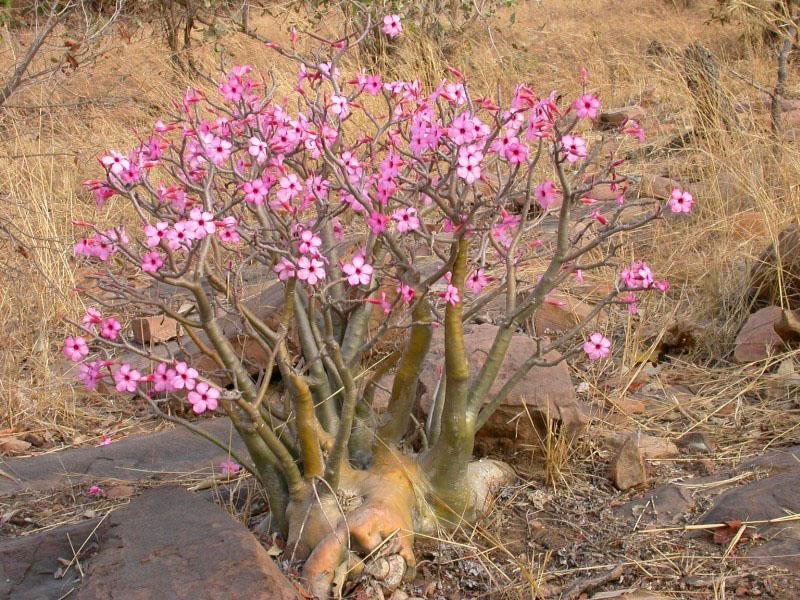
point(723, 535)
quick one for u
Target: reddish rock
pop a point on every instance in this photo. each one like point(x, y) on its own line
point(616, 117)
point(655, 186)
point(758, 339)
point(154, 330)
point(775, 275)
point(628, 469)
point(546, 392)
point(169, 543)
point(651, 447)
point(561, 312)
point(9, 446)
point(627, 405)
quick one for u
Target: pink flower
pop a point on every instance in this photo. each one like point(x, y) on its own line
point(597, 346)
point(75, 348)
point(381, 301)
point(340, 106)
point(516, 153)
point(662, 286)
point(451, 295)
point(163, 378)
point(377, 222)
point(574, 146)
point(92, 317)
point(680, 201)
point(310, 270)
point(255, 191)
point(217, 149)
point(632, 128)
point(391, 25)
point(586, 106)
point(95, 491)
point(156, 233)
point(406, 219)
point(284, 269)
point(258, 149)
point(152, 262)
point(90, 374)
point(469, 163)
point(406, 292)
point(203, 398)
point(546, 194)
point(638, 276)
point(126, 378)
point(185, 377)
point(204, 221)
point(358, 272)
point(309, 243)
point(290, 187)
point(181, 235)
point(477, 281)
point(115, 162)
point(110, 328)
point(229, 467)
point(105, 440)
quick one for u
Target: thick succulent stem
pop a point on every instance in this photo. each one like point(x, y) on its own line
point(404, 387)
point(446, 462)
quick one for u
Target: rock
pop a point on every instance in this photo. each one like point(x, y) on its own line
point(154, 330)
point(627, 469)
point(169, 543)
point(561, 312)
point(627, 405)
point(769, 498)
point(130, 459)
point(696, 442)
point(758, 338)
point(776, 273)
point(546, 392)
point(650, 446)
point(656, 186)
point(10, 446)
point(607, 192)
point(665, 505)
point(120, 492)
point(616, 117)
point(28, 564)
point(776, 461)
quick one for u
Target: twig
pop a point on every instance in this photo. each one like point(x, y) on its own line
point(576, 588)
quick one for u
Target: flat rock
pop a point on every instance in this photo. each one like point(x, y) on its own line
point(169, 543)
point(134, 458)
point(766, 499)
point(758, 339)
point(28, 564)
point(664, 505)
point(776, 461)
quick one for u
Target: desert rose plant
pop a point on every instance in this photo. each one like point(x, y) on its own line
point(332, 193)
